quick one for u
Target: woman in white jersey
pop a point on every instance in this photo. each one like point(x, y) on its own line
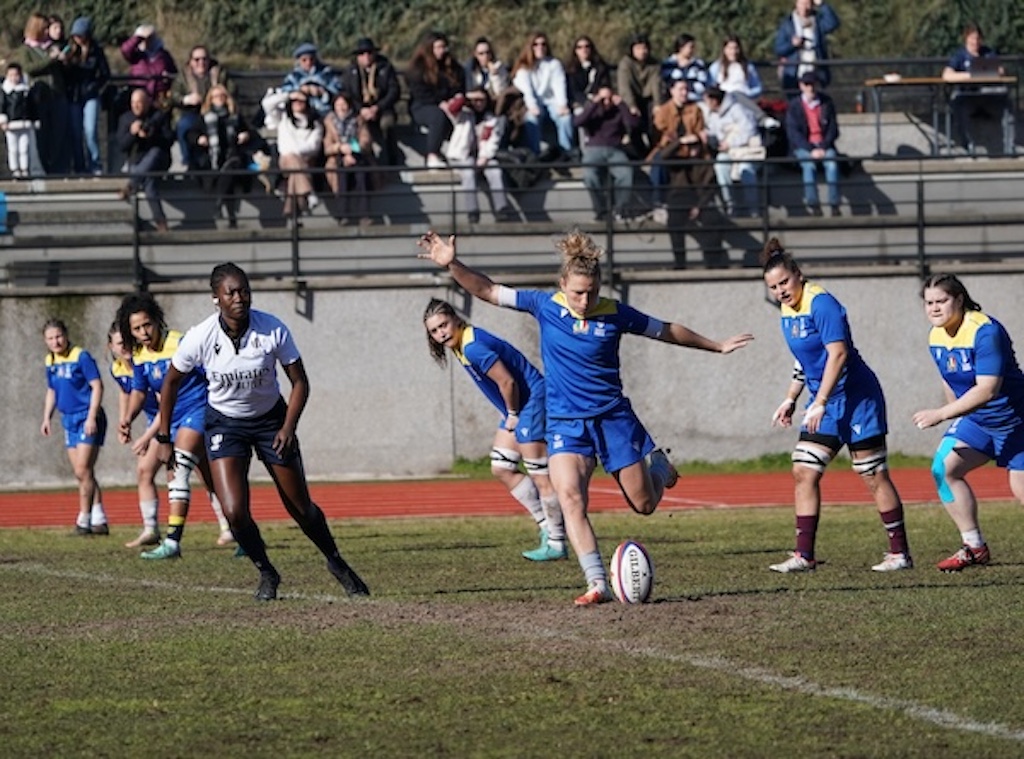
point(239, 348)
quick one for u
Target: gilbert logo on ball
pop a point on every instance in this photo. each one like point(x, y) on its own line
point(632, 573)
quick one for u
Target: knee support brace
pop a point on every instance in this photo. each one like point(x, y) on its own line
point(179, 487)
point(505, 458)
point(536, 466)
point(939, 469)
point(811, 456)
point(873, 464)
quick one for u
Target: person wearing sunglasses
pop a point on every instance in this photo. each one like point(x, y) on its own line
point(486, 71)
point(541, 78)
point(194, 81)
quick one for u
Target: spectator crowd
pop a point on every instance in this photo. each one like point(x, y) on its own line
point(478, 118)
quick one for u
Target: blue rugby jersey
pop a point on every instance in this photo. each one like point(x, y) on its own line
point(69, 377)
point(819, 319)
point(581, 355)
point(479, 350)
point(151, 368)
point(981, 347)
point(123, 372)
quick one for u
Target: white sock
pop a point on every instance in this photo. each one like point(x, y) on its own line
point(526, 493)
point(149, 514)
point(99, 516)
point(555, 525)
point(972, 538)
point(82, 520)
point(593, 569)
point(218, 510)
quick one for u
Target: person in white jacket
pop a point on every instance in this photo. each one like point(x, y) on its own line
point(540, 77)
point(738, 150)
point(472, 148)
point(300, 140)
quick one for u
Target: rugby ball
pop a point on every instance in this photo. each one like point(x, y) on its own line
point(632, 573)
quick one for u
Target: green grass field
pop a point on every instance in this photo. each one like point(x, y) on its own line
point(466, 650)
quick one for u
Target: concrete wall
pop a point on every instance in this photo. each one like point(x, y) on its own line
point(381, 407)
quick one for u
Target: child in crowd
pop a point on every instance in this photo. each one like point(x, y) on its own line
point(19, 123)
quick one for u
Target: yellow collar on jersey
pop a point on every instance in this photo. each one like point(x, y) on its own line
point(964, 336)
point(603, 307)
point(52, 358)
point(465, 339)
point(811, 291)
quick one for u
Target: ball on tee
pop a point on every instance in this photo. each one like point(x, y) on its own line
point(632, 573)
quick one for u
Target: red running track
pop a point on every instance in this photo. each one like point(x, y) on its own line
point(486, 497)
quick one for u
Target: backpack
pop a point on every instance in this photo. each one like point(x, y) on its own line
point(518, 173)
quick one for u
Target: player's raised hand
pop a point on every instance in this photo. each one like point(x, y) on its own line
point(436, 248)
point(736, 342)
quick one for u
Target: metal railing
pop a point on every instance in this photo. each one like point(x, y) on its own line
point(931, 213)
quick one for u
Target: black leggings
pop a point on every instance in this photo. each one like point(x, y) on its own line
point(439, 126)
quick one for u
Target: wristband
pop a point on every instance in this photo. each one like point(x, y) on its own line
point(163, 439)
point(511, 413)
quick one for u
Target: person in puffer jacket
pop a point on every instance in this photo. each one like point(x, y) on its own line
point(19, 123)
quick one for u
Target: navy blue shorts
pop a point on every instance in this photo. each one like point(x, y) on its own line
point(532, 421)
point(1006, 447)
point(74, 429)
point(616, 438)
point(227, 437)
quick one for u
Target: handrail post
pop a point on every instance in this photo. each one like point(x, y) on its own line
point(609, 225)
point(294, 223)
point(139, 275)
point(922, 261)
point(454, 197)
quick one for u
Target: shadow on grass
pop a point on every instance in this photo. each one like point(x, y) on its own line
point(850, 589)
point(461, 592)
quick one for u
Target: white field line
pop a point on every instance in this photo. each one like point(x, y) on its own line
point(916, 711)
point(920, 712)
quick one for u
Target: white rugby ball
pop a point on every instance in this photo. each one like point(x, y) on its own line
point(632, 573)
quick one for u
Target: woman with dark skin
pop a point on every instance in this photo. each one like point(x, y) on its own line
point(246, 411)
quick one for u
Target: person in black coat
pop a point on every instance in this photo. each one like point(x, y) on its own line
point(144, 136)
point(372, 83)
point(437, 86)
point(87, 76)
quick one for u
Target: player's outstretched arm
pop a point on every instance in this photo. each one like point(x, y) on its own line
point(680, 335)
point(442, 253)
